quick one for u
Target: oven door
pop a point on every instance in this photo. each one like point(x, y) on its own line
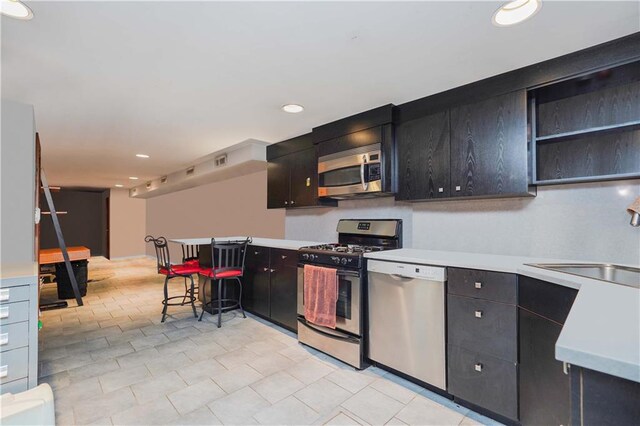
point(356, 171)
point(348, 304)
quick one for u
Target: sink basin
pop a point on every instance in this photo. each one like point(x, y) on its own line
point(616, 274)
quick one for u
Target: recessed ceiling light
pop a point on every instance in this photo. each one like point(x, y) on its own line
point(292, 108)
point(515, 12)
point(133, 178)
point(142, 156)
point(15, 9)
point(118, 185)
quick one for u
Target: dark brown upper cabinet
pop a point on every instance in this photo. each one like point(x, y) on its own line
point(423, 157)
point(489, 147)
point(292, 175)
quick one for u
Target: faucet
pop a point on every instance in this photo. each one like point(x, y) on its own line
point(634, 211)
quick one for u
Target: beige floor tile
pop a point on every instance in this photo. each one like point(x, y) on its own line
point(137, 358)
point(204, 351)
point(267, 364)
point(342, 419)
point(373, 406)
point(123, 377)
point(96, 407)
point(237, 378)
point(349, 379)
point(264, 347)
point(289, 411)
point(57, 380)
point(235, 358)
point(140, 343)
point(297, 353)
point(156, 387)
point(112, 352)
point(163, 364)
point(195, 372)
point(239, 407)
point(156, 412)
point(201, 416)
point(277, 386)
point(323, 395)
point(426, 412)
point(394, 390)
point(310, 370)
point(94, 369)
point(195, 396)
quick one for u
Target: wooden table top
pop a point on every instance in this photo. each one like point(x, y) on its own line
point(49, 256)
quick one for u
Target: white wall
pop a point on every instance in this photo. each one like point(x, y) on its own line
point(579, 222)
point(17, 184)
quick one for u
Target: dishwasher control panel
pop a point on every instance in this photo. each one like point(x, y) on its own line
point(408, 270)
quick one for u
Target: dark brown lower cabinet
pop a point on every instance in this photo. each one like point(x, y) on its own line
point(270, 285)
point(598, 399)
point(545, 390)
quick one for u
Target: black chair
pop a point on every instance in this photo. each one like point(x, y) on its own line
point(227, 262)
point(173, 271)
point(190, 257)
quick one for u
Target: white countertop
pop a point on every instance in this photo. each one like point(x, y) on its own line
point(256, 241)
point(18, 274)
point(602, 331)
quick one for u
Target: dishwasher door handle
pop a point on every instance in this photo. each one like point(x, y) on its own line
point(399, 277)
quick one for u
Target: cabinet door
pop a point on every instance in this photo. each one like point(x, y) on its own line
point(256, 281)
point(545, 391)
point(284, 288)
point(304, 178)
point(489, 147)
point(423, 157)
point(278, 183)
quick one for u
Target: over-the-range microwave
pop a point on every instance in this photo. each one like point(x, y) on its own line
point(355, 172)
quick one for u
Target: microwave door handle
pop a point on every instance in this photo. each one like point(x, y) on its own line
point(365, 185)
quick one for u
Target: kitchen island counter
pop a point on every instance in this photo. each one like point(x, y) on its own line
point(255, 241)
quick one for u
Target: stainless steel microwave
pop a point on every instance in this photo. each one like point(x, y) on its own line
point(350, 173)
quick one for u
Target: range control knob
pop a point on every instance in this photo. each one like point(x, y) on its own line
point(344, 261)
point(305, 256)
point(335, 259)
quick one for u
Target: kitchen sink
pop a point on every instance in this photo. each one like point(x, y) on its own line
point(616, 274)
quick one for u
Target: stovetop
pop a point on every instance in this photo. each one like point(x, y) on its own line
point(344, 248)
point(345, 256)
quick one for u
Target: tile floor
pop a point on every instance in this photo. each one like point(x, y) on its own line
point(111, 361)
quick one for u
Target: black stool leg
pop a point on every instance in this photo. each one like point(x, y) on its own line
point(166, 298)
point(240, 298)
point(186, 291)
point(220, 303)
point(204, 300)
point(193, 298)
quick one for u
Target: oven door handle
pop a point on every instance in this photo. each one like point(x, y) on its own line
point(365, 185)
point(350, 339)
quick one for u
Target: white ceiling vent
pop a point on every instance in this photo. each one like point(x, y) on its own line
point(221, 160)
point(241, 159)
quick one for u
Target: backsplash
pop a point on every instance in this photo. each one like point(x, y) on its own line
point(586, 222)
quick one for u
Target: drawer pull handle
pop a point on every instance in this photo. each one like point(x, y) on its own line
point(458, 188)
point(478, 314)
point(256, 252)
point(4, 295)
point(4, 371)
point(4, 339)
point(284, 257)
point(4, 312)
point(478, 367)
point(478, 285)
point(272, 270)
point(566, 367)
point(265, 269)
point(441, 190)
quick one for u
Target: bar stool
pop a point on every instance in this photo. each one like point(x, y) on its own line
point(227, 261)
point(190, 257)
point(173, 271)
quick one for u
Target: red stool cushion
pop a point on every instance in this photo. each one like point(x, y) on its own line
point(192, 262)
point(180, 270)
point(210, 272)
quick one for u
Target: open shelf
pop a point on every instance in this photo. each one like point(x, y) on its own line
point(628, 126)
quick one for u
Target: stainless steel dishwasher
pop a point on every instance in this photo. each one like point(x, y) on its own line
point(407, 319)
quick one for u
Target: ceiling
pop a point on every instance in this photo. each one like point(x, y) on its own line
point(179, 80)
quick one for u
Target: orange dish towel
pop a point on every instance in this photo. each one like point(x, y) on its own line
point(320, 295)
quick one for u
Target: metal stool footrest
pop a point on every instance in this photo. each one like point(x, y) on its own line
point(188, 300)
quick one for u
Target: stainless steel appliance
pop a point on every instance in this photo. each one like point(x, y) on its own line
point(355, 237)
point(406, 306)
point(353, 172)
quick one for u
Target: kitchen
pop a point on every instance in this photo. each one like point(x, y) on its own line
point(474, 245)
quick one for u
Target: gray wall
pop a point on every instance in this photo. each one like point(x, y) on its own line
point(576, 222)
point(17, 184)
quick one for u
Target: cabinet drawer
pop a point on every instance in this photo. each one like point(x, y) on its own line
point(14, 294)
point(483, 326)
point(14, 364)
point(496, 286)
point(257, 255)
point(282, 257)
point(14, 312)
point(483, 380)
point(548, 300)
point(14, 336)
point(16, 386)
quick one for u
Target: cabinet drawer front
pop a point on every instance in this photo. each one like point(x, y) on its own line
point(496, 286)
point(282, 257)
point(483, 326)
point(14, 294)
point(14, 336)
point(14, 312)
point(14, 387)
point(549, 300)
point(483, 380)
point(14, 364)
point(257, 255)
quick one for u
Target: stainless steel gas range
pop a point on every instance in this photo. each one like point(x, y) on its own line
point(355, 237)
